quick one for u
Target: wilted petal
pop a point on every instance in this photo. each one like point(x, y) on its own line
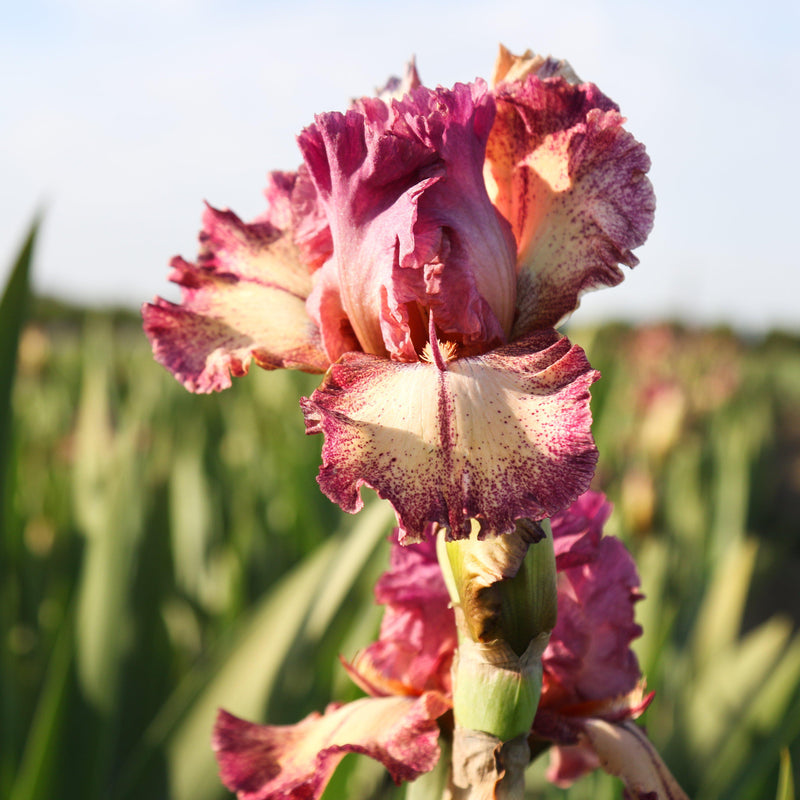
point(496, 437)
point(295, 762)
point(625, 751)
point(413, 228)
point(244, 300)
point(572, 182)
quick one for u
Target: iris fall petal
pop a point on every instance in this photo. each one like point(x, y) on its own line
point(295, 762)
point(496, 437)
point(244, 300)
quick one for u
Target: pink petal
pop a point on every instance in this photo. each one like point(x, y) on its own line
point(312, 234)
point(495, 437)
point(295, 762)
point(396, 88)
point(325, 304)
point(570, 762)
point(577, 530)
point(412, 225)
point(572, 183)
point(418, 632)
point(589, 656)
point(278, 194)
point(293, 205)
point(244, 300)
point(413, 654)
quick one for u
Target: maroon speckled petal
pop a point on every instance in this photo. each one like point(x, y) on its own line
point(244, 300)
point(572, 182)
point(495, 437)
point(412, 225)
point(295, 762)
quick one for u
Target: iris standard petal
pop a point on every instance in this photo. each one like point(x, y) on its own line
point(413, 228)
point(510, 67)
point(571, 181)
point(496, 437)
point(244, 300)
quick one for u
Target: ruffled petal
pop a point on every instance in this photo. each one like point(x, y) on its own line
point(413, 228)
point(509, 67)
point(589, 655)
point(577, 530)
point(295, 762)
point(414, 576)
point(494, 437)
point(324, 305)
point(244, 300)
point(310, 228)
point(415, 649)
point(571, 181)
point(397, 88)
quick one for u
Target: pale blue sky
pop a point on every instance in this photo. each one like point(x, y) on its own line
point(121, 116)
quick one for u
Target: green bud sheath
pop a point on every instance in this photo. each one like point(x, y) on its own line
point(504, 593)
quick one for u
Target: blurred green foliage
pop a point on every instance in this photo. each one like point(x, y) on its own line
point(164, 554)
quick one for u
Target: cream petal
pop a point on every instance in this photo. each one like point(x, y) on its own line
point(510, 67)
point(571, 181)
point(244, 300)
point(625, 751)
point(495, 437)
point(295, 762)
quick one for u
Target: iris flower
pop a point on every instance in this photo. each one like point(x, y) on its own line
point(592, 687)
point(421, 257)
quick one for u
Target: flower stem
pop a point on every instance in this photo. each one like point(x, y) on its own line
point(504, 595)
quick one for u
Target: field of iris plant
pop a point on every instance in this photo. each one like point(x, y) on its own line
point(163, 555)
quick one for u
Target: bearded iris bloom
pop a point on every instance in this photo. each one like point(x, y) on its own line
point(421, 256)
point(592, 687)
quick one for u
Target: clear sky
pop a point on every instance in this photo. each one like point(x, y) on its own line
point(119, 117)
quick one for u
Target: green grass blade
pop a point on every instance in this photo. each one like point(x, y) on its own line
point(290, 621)
point(37, 778)
point(13, 311)
point(720, 617)
point(785, 779)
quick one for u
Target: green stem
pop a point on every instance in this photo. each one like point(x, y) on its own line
point(504, 595)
